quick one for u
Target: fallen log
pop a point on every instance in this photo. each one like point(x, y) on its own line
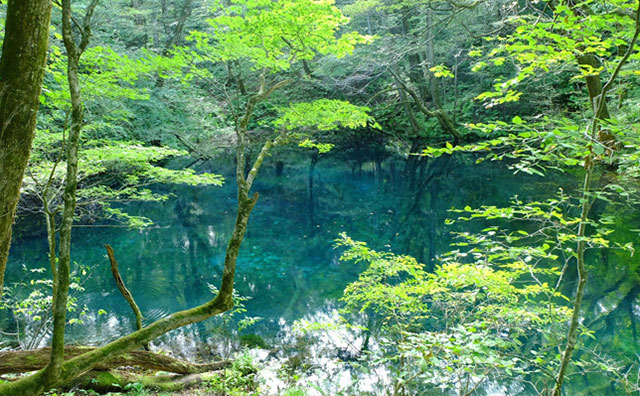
point(31, 360)
point(116, 381)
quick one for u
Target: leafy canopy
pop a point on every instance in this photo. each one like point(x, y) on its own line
point(560, 42)
point(275, 34)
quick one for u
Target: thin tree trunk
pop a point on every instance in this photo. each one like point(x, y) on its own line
point(138, 19)
point(59, 303)
point(24, 53)
point(430, 62)
point(51, 238)
point(415, 61)
point(594, 85)
point(455, 89)
point(572, 334)
point(415, 128)
point(177, 34)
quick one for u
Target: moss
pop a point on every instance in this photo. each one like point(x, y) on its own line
point(101, 381)
point(162, 383)
point(253, 341)
point(33, 359)
point(209, 376)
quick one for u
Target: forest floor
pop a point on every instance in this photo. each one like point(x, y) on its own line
point(195, 391)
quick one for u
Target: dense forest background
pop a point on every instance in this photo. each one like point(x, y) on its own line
point(144, 102)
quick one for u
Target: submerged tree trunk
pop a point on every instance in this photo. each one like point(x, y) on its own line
point(312, 167)
point(123, 289)
point(24, 53)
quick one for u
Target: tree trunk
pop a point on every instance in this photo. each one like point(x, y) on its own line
point(442, 117)
point(24, 53)
point(414, 72)
point(59, 303)
point(594, 85)
point(177, 34)
point(431, 62)
point(185, 12)
point(138, 19)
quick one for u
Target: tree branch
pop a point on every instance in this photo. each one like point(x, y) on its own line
point(444, 121)
point(123, 289)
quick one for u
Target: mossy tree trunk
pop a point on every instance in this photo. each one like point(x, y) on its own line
point(24, 53)
point(62, 272)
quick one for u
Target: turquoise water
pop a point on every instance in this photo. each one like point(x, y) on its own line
point(287, 264)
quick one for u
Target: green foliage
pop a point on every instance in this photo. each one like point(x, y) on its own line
point(271, 36)
point(274, 34)
point(441, 71)
point(109, 172)
point(546, 44)
point(546, 143)
point(107, 76)
point(294, 392)
point(111, 81)
point(324, 115)
point(136, 389)
point(29, 304)
point(464, 323)
point(112, 170)
point(237, 380)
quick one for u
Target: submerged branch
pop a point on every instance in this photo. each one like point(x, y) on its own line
point(123, 289)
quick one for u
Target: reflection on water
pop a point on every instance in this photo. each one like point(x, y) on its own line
point(287, 264)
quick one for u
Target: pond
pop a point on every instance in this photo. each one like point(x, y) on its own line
point(288, 266)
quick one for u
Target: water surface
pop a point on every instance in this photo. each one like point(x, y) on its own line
point(287, 265)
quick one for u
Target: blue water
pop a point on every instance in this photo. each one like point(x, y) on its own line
point(287, 265)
